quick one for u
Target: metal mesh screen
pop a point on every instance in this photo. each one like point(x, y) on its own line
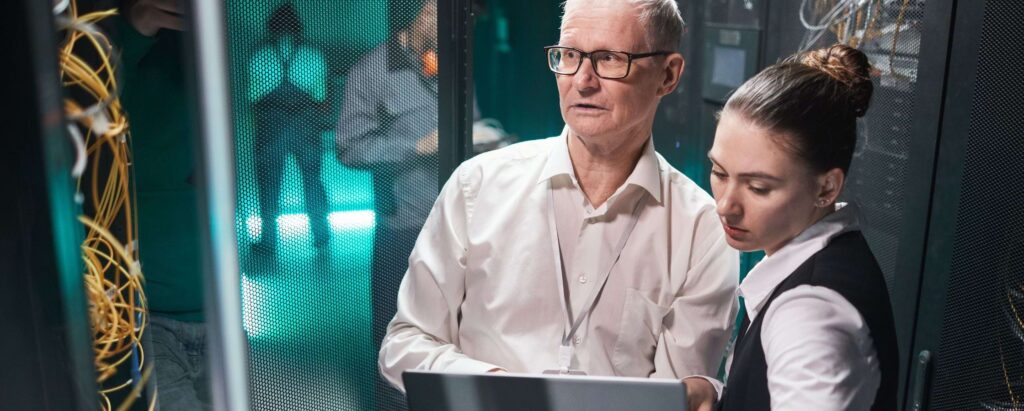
point(878, 173)
point(980, 362)
point(334, 104)
point(878, 178)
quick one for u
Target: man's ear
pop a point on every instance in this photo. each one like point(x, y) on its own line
point(673, 71)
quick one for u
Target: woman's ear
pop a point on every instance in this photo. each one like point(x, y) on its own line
point(830, 185)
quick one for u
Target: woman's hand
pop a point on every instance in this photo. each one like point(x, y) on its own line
point(700, 394)
point(149, 16)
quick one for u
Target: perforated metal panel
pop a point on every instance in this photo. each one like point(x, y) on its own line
point(878, 173)
point(980, 361)
point(331, 189)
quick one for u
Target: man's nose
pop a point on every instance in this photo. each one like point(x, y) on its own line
point(586, 77)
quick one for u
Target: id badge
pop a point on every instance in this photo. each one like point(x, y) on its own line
point(564, 359)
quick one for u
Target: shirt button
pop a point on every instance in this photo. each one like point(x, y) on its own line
point(577, 340)
point(583, 279)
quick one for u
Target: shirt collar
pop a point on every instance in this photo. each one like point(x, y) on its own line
point(772, 270)
point(646, 174)
point(558, 162)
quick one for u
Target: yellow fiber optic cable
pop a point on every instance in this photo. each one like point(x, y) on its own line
point(113, 280)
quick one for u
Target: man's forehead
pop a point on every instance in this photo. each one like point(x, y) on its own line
point(620, 10)
point(602, 21)
point(572, 4)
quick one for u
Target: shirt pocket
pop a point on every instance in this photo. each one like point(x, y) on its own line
point(639, 330)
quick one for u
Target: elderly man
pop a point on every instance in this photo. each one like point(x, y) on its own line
point(584, 252)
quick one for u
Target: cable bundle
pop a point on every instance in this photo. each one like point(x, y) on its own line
point(852, 21)
point(113, 276)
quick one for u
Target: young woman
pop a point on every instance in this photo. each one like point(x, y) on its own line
point(818, 330)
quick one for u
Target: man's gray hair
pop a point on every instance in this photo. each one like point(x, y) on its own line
point(660, 18)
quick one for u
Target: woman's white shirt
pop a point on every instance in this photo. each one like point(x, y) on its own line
point(817, 346)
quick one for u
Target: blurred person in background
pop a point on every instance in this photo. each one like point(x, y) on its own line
point(156, 100)
point(287, 89)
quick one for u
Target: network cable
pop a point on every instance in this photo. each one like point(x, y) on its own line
point(113, 280)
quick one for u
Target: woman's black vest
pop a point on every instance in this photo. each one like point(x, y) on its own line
point(846, 266)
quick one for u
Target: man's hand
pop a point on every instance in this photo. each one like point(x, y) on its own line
point(149, 16)
point(428, 144)
point(700, 394)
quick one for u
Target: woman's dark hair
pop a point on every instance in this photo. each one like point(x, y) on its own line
point(284, 21)
point(811, 101)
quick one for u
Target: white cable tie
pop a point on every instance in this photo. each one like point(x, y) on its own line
point(65, 23)
point(59, 8)
point(100, 123)
point(80, 158)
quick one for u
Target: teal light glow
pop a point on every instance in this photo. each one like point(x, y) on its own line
point(307, 312)
point(294, 225)
point(270, 309)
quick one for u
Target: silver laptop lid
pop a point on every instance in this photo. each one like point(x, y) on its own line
point(433, 391)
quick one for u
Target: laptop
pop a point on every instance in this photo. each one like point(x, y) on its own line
point(435, 391)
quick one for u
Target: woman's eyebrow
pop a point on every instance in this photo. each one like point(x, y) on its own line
point(759, 175)
point(753, 174)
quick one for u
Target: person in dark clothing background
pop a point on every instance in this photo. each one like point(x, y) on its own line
point(390, 128)
point(388, 125)
point(288, 90)
point(157, 103)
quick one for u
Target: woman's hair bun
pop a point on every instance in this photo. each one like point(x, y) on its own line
point(848, 66)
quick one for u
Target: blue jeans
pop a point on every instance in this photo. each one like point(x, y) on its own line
point(281, 132)
point(178, 351)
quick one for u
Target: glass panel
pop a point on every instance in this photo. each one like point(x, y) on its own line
point(335, 107)
point(508, 54)
point(729, 63)
point(744, 13)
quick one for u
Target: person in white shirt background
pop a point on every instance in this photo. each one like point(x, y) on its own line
point(818, 331)
point(586, 252)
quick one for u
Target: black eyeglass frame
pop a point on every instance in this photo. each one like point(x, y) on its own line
point(590, 56)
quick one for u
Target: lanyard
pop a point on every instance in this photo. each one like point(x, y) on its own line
point(565, 349)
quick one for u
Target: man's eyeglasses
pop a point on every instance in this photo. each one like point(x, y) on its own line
point(608, 64)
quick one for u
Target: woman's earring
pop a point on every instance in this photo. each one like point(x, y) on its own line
point(822, 202)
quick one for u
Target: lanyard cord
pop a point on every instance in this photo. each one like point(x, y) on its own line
point(565, 351)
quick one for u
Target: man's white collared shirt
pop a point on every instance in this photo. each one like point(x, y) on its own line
point(482, 290)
